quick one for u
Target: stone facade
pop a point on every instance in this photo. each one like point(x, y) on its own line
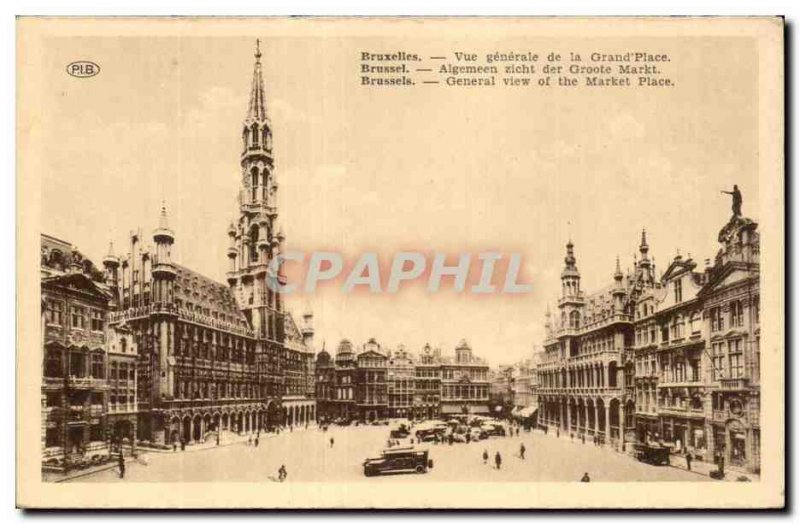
point(192, 358)
point(75, 409)
point(582, 387)
point(375, 383)
point(674, 360)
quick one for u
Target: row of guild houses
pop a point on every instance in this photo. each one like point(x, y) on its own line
point(372, 383)
point(673, 359)
point(149, 350)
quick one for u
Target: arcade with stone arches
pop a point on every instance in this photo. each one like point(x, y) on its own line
point(201, 425)
point(603, 417)
point(299, 413)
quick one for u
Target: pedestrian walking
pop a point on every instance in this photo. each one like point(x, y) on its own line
point(121, 462)
point(331, 441)
point(282, 473)
point(174, 446)
point(485, 456)
point(585, 478)
point(522, 451)
point(583, 438)
point(688, 460)
point(249, 441)
point(498, 460)
point(558, 433)
point(256, 441)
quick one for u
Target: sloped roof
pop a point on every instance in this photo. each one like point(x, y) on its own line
point(193, 288)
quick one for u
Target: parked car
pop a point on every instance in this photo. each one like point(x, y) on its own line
point(654, 454)
point(399, 460)
point(400, 431)
point(477, 433)
point(429, 430)
point(494, 430)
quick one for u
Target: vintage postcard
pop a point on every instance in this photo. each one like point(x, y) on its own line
point(400, 263)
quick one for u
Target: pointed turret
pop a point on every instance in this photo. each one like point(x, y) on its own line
point(111, 266)
point(257, 110)
point(643, 247)
point(111, 259)
point(163, 234)
point(619, 290)
point(570, 276)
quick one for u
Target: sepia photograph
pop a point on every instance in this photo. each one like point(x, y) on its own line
point(400, 263)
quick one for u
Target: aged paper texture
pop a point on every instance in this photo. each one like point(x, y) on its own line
point(400, 263)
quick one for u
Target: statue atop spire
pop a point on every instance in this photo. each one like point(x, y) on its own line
point(736, 200)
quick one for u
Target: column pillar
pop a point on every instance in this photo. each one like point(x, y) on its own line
point(710, 444)
point(596, 419)
point(569, 416)
point(586, 418)
point(133, 438)
point(621, 443)
point(607, 424)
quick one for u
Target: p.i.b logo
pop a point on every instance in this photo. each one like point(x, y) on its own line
point(83, 69)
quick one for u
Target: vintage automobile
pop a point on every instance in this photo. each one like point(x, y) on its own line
point(494, 429)
point(399, 460)
point(477, 434)
point(400, 431)
point(430, 431)
point(652, 453)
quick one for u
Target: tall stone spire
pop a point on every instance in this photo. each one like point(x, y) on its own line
point(257, 110)
point(618, 271)
point(643, 247)
point(252, 244)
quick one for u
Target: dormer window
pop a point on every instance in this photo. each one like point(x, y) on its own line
point(678, 291)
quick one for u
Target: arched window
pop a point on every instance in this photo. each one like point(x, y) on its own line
point(245, 134)
point(254, 184)
point(575, 320)
point(612, 375)
point(253, 244)
point(254, 131)
point(53, 366)
point(56, 259)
